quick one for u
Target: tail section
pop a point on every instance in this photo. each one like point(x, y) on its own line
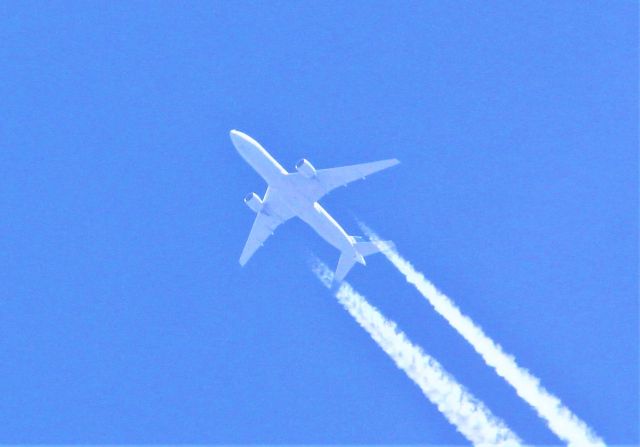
point(360, 250)
point(366, 248)
point(345, 264)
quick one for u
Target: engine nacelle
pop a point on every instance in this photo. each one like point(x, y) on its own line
point(253, 201)
point(305, 168)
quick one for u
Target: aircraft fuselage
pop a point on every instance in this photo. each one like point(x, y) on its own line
point(291, 198)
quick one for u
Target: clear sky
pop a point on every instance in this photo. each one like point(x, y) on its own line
point(124, 314)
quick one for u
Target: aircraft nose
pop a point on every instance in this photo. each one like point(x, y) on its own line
point(234, 134)
point(237, 138)
point(242, 142)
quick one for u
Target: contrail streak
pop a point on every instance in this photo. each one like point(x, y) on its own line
point(560, 420)
point(470, 417)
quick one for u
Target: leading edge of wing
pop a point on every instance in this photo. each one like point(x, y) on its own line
point(332, 178)
point(263, 227)
point(265, 223)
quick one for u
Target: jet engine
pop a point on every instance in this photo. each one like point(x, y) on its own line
point(253, 201)
point(305, 168)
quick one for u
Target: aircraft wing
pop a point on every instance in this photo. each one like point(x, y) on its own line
point(267, 220)
point(332, 178)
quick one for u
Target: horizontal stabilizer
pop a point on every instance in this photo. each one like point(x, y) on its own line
point(366, 248)
point(362, 249)
point(345, 263)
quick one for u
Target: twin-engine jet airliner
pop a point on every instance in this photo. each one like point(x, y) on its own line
point(297, 194)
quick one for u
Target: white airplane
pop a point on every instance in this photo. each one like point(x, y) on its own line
point(297, 194)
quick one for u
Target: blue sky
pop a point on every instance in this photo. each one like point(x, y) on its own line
point(124, 315)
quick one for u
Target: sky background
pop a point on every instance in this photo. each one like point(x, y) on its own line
point(124, 314)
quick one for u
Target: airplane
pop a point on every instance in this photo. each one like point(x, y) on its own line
point(296, 195)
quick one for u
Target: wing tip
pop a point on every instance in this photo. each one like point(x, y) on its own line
point(388, 163)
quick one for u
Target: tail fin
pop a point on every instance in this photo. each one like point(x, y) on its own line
point(366, 248)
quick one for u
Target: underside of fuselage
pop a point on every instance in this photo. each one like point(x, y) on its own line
point(296, 195)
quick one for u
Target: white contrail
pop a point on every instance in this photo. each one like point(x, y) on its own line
point(465, 412)
point(560, 420)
